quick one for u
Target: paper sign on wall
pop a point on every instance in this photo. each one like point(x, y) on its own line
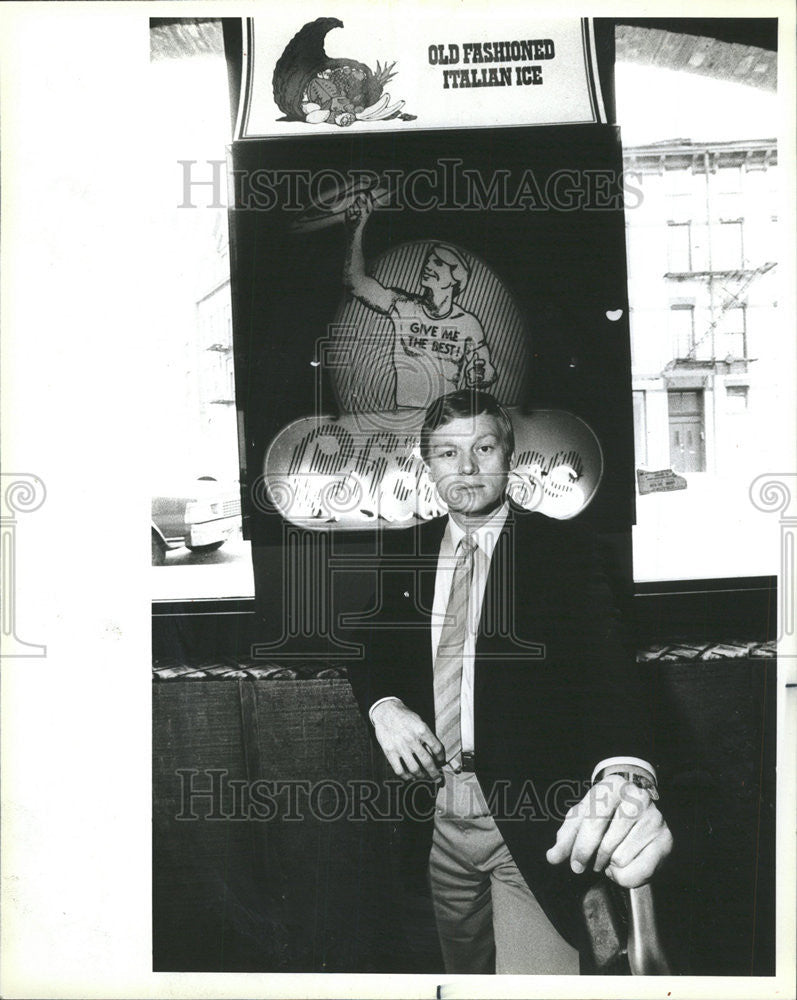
point(375, 69)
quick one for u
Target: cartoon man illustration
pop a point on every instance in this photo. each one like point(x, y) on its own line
point(438, 346)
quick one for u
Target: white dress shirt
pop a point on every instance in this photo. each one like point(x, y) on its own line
point(486, 537)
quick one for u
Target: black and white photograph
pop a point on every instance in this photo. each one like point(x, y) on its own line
point(451, 349)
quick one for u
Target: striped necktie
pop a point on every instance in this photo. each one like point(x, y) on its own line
point(448, 659)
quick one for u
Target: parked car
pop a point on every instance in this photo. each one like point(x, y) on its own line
point(200, 514)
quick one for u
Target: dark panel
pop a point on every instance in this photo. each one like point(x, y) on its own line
point(255, 889)
point(205, 890)
point(715, 724)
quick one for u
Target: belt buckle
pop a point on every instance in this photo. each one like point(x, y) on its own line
point(468, 760)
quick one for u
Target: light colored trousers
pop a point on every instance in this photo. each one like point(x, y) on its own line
point(487, 917)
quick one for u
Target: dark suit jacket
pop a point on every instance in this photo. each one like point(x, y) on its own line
point(555, 690)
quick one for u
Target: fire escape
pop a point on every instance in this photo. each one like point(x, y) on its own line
point(733, 286)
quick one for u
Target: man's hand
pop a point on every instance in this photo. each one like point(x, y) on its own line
point(359, 211)
point(411, 748)
point(617, 829)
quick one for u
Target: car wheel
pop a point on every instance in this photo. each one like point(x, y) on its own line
point(205, 548)
point(158, 552)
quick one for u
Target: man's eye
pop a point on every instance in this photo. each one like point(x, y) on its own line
point(486, 447)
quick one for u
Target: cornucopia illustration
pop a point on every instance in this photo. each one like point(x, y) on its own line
point(311, 87)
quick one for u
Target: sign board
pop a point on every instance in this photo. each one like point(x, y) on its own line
point(374, 68)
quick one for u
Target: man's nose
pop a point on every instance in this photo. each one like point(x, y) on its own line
point(467, 465)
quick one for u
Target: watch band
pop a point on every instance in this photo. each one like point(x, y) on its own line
point(640, 780)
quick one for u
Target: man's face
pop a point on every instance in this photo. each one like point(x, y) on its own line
point(468, 463)
point(436, 273)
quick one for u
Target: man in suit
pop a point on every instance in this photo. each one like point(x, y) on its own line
point(494, 669)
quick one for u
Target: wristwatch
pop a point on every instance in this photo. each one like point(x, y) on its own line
point(640, 780)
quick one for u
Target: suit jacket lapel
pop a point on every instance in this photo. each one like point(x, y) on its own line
point(430, 536)
point(513, 583)
point(427, 541)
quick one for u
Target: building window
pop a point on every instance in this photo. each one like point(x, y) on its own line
point(679, 246)
point(729, 180)
point(682, 330)
point(679, 188)
point(727, 250)
point(198, 551)
point(729, 196)
point(192, 403)
point(705, 153)
point(731, 335)
point(737, 398)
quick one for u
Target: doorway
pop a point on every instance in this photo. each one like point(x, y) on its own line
point(687, 431)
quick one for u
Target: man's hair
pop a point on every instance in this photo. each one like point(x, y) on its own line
point(460, 271)
point(466, 403)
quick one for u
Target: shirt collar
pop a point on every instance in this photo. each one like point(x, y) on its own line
point(485, 536)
